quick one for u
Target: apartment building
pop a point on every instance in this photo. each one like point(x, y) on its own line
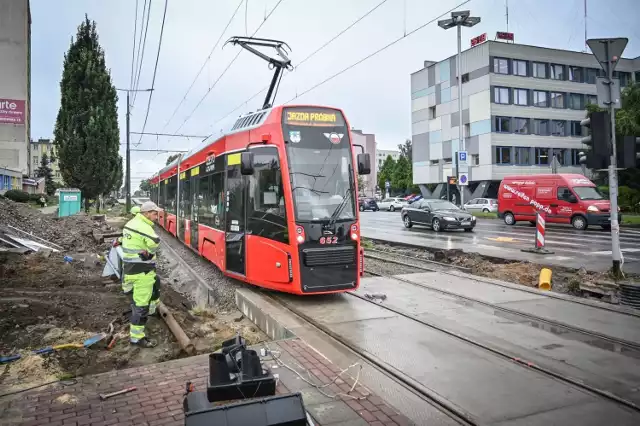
point(382, 154)
point(368, 141)
point(15, 84)
point(37, 148)
point(521, 107)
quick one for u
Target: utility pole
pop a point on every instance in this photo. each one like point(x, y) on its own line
point(127, 183)
point(608, 52)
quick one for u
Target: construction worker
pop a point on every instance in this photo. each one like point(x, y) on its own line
point(139, 245)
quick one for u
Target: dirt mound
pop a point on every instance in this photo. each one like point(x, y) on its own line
point(72, 232)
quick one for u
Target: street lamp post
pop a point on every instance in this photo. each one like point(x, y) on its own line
point(459, 19)
point(127, 183)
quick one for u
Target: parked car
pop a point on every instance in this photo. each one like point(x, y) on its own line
point(392, 204)
point(565, 198)
point(368, 204)
point(486, 205)
point(437, 214)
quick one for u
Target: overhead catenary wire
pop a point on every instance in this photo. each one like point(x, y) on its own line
point(155, 70)
point(225, 70)
point(377, 51)
point(133, 51)
point(315, 52)
point(204, 64)
point(141, 54)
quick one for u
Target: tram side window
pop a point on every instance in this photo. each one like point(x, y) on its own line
point(154, 193)
point(210, 209)
point(171, 195)
point(185, 197)
point(162, 187)
point(266, 213)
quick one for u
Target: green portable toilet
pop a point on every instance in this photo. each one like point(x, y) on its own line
point(70, 202)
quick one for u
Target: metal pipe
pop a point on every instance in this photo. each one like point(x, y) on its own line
point(460, 128)
point(181, 337)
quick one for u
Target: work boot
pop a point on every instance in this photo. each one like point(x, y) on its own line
point(145, 343)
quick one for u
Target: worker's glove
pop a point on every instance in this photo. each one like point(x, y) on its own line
point(145, 255)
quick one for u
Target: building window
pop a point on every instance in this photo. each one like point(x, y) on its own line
point(541, 127)
point(465, 77)
point(35, 160)
point(590, 75)
point(519, 68)
point(475, 159)
point(592, 99)
point(501, 95)
point(624, 77)
point(523, 156)
point(557, 127)
point(575, 157)
point(576, 128)
point(576, 101)
point(521, 126)
point(576, 74)
point(521, 97)
point(500, 66)
point(557, 72)
point(539, 70)
point(432, 112)
point(503, 154)
point(503, 124)
point(557, 100)
point(562, 155)
point(540, 99)
point(542, 156)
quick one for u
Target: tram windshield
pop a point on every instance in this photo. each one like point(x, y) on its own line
point(320, 164)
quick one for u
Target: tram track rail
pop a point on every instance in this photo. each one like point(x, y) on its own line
point(499, 352)
point(455, 270)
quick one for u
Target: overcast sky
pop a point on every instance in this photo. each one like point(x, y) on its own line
point(374, 94)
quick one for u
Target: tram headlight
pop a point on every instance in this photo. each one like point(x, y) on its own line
point(300, 231)
point(354, 232)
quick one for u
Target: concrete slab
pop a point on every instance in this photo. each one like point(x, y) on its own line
point(609, 323)
point(605, 322)
point(582, 358)
point(470, 287)
point(336, 308)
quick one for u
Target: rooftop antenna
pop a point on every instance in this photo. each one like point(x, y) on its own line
point(506, 5)
point(278, 63)
point(585, 27)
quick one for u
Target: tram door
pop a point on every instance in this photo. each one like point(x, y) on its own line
point(235, 216)
point(195, 203)
point(184, 198)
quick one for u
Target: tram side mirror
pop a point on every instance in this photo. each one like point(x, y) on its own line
point(364, 164)
point(246, 163)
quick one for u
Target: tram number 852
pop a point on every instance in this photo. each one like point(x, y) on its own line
point(328, 240)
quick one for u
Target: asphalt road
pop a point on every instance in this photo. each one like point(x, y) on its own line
point(590, 249)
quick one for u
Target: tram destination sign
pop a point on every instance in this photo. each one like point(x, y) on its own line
point(315, 117)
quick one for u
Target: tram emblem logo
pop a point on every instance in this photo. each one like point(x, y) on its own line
point(334, 138)
point(294, 136)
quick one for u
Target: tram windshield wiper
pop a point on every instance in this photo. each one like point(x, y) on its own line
point(340, 207)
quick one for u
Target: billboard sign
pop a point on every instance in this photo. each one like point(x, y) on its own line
point(12, 111)
point(479, 39)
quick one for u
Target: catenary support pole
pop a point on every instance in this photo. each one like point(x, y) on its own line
point(613, 173)
point(127, 184)
point(460, 123)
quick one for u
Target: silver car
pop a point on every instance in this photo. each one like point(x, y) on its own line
point(392, 204)
point(486, 205)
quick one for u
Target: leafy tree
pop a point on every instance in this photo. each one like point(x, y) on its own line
point(145, 186)
point(402, 178)
point(45, 171)
point(406, 149)
point(171, 158)
point(386, 172)
point(87, 137)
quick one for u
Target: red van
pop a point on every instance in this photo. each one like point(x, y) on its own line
point(564, 198)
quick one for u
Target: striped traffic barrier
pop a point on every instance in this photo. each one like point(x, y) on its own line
point(539, 241)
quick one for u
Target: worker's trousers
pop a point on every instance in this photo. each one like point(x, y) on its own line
point(146, 296)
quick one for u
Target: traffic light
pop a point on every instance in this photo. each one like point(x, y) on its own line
point(628, 152)
point(598, 142)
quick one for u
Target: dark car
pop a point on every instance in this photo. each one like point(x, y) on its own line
point(438, 214)
point(368, 204)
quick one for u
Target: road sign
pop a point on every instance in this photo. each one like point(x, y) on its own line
point(463, 179)
point(605, 93)
point(616, 47)
point(462, 157)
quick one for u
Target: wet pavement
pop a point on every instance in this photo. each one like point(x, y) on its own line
point(590, 248)
point(492, 389)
